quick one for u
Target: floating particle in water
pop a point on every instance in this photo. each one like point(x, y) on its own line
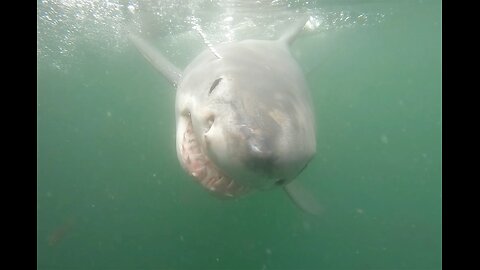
point(306, 226)
point(268, 251)
point(384, 139)
point(131, 8)
point(313, 23)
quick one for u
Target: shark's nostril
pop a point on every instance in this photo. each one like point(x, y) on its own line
point(209, 123)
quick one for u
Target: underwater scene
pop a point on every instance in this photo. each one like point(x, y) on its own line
point(210, 134)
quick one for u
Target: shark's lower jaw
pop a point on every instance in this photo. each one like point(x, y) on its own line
point(197, 164)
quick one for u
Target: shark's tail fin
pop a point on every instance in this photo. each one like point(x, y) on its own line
point(292, 32)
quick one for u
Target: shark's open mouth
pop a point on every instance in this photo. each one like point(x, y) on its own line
point(197, 164)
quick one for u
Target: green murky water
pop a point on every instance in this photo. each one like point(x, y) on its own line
point(111, 194)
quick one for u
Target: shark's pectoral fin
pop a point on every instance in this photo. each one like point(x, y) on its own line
point(303, 198)
point(158, 61)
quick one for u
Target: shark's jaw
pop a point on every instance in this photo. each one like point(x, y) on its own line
point(193, 159)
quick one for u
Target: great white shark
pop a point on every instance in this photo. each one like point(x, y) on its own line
point(244, 116)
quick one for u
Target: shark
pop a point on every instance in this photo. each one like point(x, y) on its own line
point(244, 116)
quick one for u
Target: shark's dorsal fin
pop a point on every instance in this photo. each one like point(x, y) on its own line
point(292, 32)
point(158, 61)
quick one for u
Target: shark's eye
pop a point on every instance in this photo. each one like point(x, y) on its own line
point(215, 83)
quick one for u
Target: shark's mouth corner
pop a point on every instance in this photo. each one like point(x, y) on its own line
point(196, 163)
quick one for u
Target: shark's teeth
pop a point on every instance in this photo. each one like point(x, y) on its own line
point(203, 170)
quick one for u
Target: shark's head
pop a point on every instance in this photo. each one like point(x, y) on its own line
point(244, 122)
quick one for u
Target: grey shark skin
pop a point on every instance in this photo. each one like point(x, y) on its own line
point(244, 116)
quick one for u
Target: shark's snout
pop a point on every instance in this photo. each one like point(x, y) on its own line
point(260, 156)
point(258, 149)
